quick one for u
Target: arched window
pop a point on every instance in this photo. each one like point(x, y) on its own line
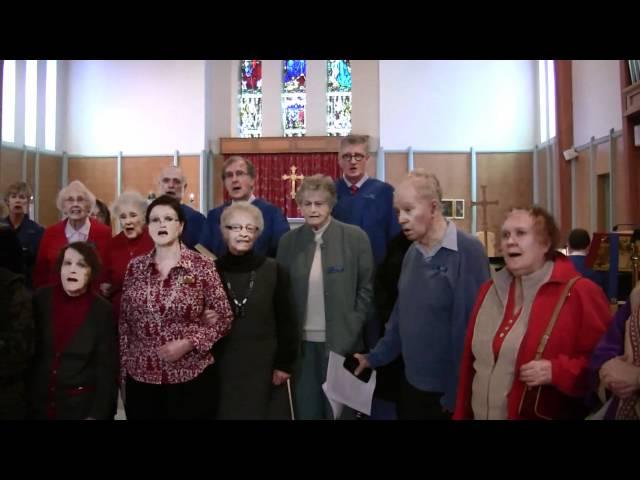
point(338, 97)
point(294, 97)
point(250, 98)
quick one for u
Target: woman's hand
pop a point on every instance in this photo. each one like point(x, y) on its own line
point(209, 317)
point(536, 372)
point(620, 376)
point(363, 362)
point(106, 289)
point(175, 350)
point(280, 377)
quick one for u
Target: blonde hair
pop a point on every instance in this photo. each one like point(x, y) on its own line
point(76, 185)
point(243, 207)
point(317, 183)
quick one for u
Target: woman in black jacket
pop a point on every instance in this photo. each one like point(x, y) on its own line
point(74, 373)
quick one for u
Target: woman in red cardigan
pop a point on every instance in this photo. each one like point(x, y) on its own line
point(131, 242)
point(75, 201)
point(508, 371)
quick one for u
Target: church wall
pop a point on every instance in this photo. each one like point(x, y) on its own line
point(509, 180)
point(97, 173)
point(457, 104)
point(141, 173)
point(50, 176)
point(583, 185)
point(596, 99)
point(137, 107)
point(10, 168)
point(542, 177)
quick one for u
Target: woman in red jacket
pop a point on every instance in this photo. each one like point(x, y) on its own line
point(131, 242)
point(75, 201)
point(520, 360)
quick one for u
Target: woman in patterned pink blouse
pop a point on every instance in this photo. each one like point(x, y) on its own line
point(165, 342)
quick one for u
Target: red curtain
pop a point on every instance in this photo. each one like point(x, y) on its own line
point(271, 167)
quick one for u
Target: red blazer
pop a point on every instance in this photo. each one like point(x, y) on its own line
point(582, 321)
point(54, 239)
point(123, 251)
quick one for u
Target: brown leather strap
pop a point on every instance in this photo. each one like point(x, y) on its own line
point(554, 317)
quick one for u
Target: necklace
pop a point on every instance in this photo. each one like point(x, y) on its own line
point(238, 305)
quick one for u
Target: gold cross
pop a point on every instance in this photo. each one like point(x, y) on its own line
point(293, 177)
point(484, 204)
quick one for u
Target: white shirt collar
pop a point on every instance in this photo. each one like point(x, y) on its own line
point(79, 235)
point(250, 200)
point(359, 184)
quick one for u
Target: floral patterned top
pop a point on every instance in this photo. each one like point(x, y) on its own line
point(155, 311)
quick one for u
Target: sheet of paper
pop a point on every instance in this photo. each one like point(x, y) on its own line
point(343, 388)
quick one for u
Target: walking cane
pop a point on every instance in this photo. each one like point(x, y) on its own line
point(293, 417)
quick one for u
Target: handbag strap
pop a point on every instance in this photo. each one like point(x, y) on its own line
point(554, 317)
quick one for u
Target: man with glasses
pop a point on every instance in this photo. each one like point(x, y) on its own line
point(368, 203)
point(172, 182)
point(238, 175)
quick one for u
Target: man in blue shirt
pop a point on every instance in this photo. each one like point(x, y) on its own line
point(238, 175)
point(29, 233)
point(172, 182)
point(441, 274)
point(368, 203)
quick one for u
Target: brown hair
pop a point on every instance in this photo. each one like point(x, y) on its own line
point(88, 252)
point(355, 140)
point(251, 170)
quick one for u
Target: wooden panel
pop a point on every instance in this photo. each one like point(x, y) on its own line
point(191, 168)
point(542, 177)
point(602, 187)
point(454, 172)
point(509, 180)
point(371, 165)
point(395, 167)
point(10, 168)
point(50, 184)
point(230, 146)
point(218, 184)
point(602, 158)
point(98, 174)
point(631, 99)
point(141, 174)
point(31, 169)
point(622, 207)
point(583, 185)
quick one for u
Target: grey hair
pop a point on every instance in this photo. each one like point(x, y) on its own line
point(75, 185)
point(244, 207)
point(132, 198)
point(317, 183)
point(427, 185)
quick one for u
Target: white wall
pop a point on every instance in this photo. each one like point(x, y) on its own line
point(597, 106)
point(138, 107)
point(457, 104)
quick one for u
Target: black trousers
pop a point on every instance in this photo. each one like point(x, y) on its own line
point(417, 404)
point(192, 400)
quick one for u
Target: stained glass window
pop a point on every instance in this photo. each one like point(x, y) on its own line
point(338, 97)
point(250, 98)
point(294, 97)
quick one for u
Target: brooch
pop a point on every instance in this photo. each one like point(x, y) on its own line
point(188, 280)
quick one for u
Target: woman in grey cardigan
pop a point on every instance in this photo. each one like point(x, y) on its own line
point(330, 264)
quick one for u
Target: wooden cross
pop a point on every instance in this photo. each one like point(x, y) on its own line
point(484, 203)
point(293, 177)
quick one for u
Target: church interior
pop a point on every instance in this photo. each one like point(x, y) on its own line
point(563, 134)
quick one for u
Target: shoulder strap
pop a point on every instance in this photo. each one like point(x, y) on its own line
point(554, 317)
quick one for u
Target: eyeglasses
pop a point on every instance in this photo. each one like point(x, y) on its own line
point(157, 220)
point(238, 173)
point(238, 228)
point(358, 157)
